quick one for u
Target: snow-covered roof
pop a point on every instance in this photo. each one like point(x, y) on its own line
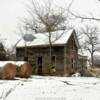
point(57, 38)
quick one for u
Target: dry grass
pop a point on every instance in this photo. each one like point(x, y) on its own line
point(58, 73)
point(9, 71)
point(95, 71)
point(86, 73)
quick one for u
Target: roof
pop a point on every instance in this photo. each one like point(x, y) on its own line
point(58, 38)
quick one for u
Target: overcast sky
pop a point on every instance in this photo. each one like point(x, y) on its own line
point(11, 11)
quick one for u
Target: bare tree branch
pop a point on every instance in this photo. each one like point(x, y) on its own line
point(78, 16)
point(43, 18)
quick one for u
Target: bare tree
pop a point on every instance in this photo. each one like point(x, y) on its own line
point(43, 18)
point(92, 43)
point(83, 17)
point(90, 16)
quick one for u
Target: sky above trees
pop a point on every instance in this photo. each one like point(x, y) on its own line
point(12, 11)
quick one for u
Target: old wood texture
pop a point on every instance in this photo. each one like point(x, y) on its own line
point(66, 56)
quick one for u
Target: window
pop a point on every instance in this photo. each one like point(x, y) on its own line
point(72, 44)
point(39, 60)
point(72, 63)
point(25, 58)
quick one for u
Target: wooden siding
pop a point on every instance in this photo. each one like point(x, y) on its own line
point(64, 55)
point(71, 53)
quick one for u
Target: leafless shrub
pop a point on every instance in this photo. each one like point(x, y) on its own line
point(95, 71)
point(86, 73)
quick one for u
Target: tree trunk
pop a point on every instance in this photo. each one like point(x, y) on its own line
point(50, 50)
point(92, 60)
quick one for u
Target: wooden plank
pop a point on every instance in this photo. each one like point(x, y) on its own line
point(65, 59)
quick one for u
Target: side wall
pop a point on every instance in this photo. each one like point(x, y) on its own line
point(71, 55)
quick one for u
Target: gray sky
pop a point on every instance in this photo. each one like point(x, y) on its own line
point(11, 11)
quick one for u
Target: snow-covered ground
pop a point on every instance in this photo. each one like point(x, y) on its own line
point(51, 88)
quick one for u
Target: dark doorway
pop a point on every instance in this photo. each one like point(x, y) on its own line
point(25, 58)
point(39, 65)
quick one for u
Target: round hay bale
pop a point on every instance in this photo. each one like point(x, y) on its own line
point(9, 71)
point(25, 70)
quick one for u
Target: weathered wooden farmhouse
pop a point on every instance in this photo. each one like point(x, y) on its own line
point(64, 52)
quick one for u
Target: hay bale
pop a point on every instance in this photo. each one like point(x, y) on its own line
point(25, 70)
point(9, 71)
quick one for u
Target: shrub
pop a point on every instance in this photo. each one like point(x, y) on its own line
point(25, 70)
point(9, 71)
point(95, 71)
point(86, 73)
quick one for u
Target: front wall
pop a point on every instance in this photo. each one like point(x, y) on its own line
point(58, 52)
point(33, 53)
point(20, 54)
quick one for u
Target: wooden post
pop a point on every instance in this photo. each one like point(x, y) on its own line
point(65, 65)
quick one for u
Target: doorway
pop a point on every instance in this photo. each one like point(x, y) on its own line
point(39, 65)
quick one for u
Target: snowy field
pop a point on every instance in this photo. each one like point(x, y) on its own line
point(51, 88)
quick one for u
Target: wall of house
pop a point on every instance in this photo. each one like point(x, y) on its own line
point(57, 51)
point(71, 55)
point(34, 53)
point(20, 54)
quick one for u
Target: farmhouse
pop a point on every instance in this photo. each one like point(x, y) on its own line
point(65, 47)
